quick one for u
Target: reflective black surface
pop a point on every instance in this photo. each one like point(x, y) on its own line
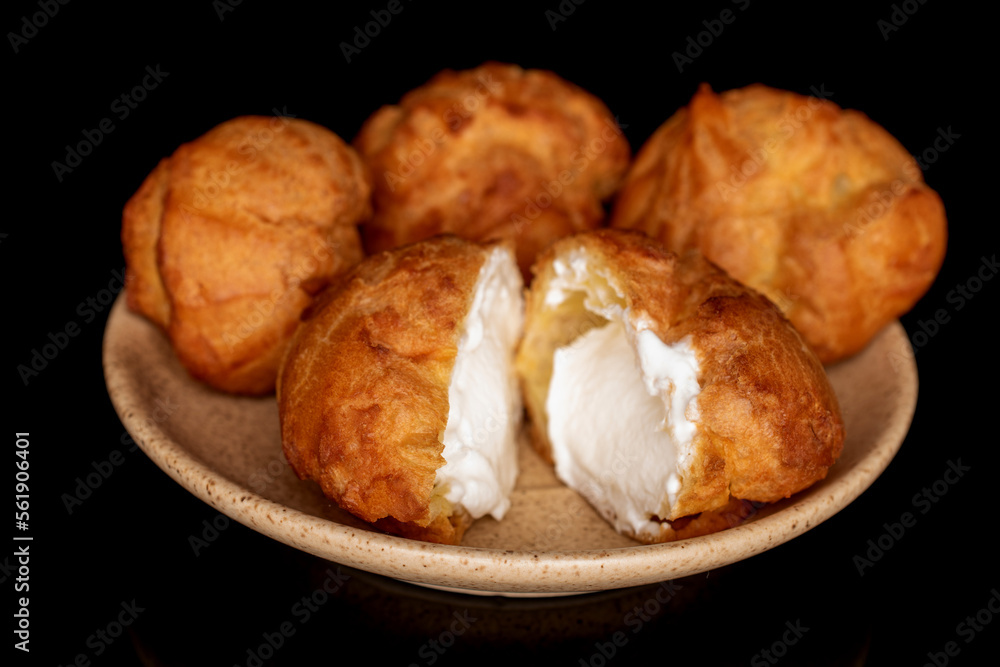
point(855, 590)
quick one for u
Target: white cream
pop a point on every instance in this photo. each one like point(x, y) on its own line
point(672, 371)
point(622, 408)
point(480, 439)
point(575, 275)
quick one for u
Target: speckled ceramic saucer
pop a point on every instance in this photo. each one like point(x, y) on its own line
point(227, 451)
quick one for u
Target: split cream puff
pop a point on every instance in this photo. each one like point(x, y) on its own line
point(665, 392)
point(817, 207)
point(227, 240)
point(398, 394)
point(495, 152)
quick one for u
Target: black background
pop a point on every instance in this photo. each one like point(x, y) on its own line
point(130, 540)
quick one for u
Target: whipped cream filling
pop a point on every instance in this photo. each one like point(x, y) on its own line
point(622, 406)
point(484, 414)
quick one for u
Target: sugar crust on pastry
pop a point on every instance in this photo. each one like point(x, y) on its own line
point(228, 238)
point(760, 423)
point(492, 152)
point(819, 208)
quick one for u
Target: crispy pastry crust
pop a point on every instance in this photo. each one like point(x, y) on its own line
point(227, 239)
point(492, 152)
point(817, 207)
point(769, 424)
point(363, 390)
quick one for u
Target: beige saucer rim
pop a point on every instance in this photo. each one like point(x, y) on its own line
point(496, 571)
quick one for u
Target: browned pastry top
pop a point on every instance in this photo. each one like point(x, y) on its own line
point(226, 239)
point(363, 391)
point(817, 207)
point(492, 152)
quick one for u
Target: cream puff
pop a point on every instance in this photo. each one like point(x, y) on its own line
point(665, 392)
point(817, 207)
point(398, 394)
point(227, 240)
point(495, 152)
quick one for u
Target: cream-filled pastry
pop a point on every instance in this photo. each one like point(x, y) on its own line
point(398, 394)
point(665, 392)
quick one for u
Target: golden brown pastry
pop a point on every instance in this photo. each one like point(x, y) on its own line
point(398, 394)
point(492, 152)
point(228, 238)
point(665, 391)
point(817, 207)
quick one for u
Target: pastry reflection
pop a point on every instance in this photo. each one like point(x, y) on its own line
point(323, 612)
